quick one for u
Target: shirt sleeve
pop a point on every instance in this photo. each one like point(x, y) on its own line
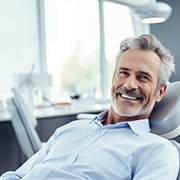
point(160, 162)
point(29, 164)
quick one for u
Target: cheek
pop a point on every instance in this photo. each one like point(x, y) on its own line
point(117, 81)
point(114, 86)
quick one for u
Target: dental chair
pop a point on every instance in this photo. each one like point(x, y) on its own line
point(24, 124)
point(165, 118)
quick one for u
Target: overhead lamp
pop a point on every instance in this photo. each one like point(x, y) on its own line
point(156, 12)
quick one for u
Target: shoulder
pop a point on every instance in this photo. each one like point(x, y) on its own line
point(161, 147)
point(160, 141)
point(157, 159)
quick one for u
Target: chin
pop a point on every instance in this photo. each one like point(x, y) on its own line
point(130, 112)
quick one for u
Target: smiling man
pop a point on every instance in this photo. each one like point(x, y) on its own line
point(117, 144)
point(134, 87)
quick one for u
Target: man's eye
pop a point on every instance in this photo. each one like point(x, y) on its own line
point(123, 73)
point(142, 77)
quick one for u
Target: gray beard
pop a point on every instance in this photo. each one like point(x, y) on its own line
point(135, 112)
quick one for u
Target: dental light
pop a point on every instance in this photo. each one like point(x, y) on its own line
point(156, 12)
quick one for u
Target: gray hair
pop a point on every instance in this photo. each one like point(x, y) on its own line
point(148, 42)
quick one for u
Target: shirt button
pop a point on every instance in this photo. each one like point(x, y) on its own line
point(98, 132)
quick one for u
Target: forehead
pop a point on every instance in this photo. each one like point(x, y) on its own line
point(139, 60)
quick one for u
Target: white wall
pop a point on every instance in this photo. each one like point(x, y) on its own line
point(18, 40)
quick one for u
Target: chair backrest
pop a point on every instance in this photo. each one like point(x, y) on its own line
point(20, 131)
point(165, 118)
point(23, 107)
point(22, 121)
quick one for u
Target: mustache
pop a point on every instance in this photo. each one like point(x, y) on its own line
point(132, 92)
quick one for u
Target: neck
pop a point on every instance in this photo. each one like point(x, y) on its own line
point(113, 117)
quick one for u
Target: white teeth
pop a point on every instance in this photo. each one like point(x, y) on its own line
point(128, 97)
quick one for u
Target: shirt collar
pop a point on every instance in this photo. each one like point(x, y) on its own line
point(98, 119)
point(138, 126)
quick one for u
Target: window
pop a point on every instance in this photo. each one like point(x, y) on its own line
point(72, 39)
point(118, 25)
point(19, 42)
point(73, 45)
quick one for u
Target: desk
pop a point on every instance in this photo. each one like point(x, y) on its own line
point(11, 156)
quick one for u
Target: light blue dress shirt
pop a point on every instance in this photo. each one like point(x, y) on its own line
point(83, 150)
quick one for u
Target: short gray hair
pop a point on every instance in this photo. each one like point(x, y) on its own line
point(148, 42)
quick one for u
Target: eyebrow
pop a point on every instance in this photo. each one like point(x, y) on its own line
point(124, 68)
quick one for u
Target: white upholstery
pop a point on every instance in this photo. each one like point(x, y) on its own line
point(85, 116)
point(19, 129)
point(165, 118)
point(24, 124)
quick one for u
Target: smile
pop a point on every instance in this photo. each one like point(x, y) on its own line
point(125, 96)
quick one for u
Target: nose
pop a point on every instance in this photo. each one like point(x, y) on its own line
point(131, 83)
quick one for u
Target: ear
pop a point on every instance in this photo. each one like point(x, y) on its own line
point(161, 92)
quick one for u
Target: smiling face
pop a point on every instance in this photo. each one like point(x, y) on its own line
point(134, 86)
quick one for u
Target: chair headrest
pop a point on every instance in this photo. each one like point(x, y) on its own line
point(165, 118)
point(23, 107)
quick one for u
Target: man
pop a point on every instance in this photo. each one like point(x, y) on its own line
point(116, 144)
